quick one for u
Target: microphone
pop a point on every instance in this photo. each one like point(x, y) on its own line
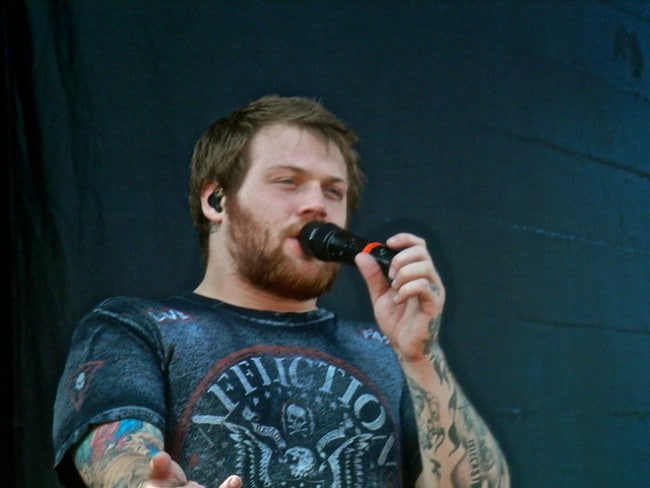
point(328, 242)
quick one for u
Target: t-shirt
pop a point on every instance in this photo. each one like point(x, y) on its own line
point(281, 399)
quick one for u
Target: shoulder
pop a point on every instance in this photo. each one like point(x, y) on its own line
point(126, 313)
point(123, 305)
point(158, 313)
point(125, 302)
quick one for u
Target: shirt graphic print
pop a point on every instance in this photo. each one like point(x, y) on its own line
point(289, 417)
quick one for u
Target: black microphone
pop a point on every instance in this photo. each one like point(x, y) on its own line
point(328, 242)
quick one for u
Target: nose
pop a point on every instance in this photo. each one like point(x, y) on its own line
point(312, 204)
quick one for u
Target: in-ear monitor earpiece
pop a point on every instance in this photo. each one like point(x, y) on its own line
point(214, 200)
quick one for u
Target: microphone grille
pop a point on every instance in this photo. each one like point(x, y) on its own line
point(314, 235)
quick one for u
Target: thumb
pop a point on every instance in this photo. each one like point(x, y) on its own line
point(163, 469)
point(232, 481)
point(372, 275)
point(159, 466)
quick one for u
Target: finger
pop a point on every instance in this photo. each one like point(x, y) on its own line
point(372, 275)
point(411, 249)
point(404, 239)
point(419, 269)
point(418, 265)
point(423, 289)
point(412, 263)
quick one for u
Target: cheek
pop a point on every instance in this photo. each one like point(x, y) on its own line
point(338, 215)
point(270, 209)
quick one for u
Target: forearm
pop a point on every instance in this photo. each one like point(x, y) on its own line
point(117, 455)
point(125, 470)
point(456, 446)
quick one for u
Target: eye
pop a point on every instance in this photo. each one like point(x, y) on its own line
point(335, 193)
point(285, 181)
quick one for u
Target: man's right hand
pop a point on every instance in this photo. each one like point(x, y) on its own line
point(163, 471)
point(233, 481)
point(115, 454)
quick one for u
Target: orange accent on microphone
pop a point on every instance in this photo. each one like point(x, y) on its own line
point(370, 246)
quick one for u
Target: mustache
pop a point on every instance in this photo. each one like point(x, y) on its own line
point(294, 230)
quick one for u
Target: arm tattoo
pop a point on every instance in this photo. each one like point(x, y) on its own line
point(117, 454)
point(431, 341)
point(440, 368)
point(430, 433)
point(479, 462)
point(482, 464)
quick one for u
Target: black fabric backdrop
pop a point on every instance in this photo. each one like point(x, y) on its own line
point(514, 136)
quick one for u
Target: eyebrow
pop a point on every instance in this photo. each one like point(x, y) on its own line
point(296, 169)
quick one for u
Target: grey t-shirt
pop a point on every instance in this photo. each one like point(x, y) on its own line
point(282, 399)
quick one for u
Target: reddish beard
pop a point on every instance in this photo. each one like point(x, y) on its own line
point(269, 269)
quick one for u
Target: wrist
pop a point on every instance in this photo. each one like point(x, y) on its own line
point(128, 469)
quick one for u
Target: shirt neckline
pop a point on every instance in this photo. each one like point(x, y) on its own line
point(266, 316)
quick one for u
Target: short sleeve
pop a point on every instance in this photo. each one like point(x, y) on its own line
point(115, 369)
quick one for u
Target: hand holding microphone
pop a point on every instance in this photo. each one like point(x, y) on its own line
point(328, 242)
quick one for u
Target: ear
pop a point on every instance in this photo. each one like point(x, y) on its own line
point(212, 199)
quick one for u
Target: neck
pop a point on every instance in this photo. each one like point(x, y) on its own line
point(228, 287)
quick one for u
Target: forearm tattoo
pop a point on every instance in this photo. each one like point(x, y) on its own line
point(479, 463)
point(430, 432)
point(116, 454)
point(482, 464)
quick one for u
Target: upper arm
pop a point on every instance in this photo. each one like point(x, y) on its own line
point(105, 442)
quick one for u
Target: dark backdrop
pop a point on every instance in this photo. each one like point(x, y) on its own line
point(514, 136)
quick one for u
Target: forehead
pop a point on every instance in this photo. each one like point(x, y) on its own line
point(290, 145)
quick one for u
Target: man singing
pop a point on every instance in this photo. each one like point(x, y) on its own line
point(246, 381)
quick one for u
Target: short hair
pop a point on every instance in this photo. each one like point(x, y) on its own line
point(220, 154)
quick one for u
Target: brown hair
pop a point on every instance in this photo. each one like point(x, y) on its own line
point(220, 153)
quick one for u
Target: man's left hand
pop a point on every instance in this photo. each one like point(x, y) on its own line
point(408, 307)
